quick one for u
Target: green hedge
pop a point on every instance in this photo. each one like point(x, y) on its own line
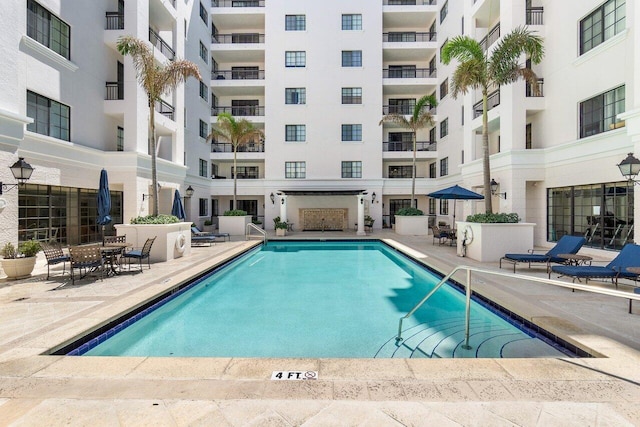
point(409, 212)
point(235, 212)
point(160, 219)
point(494, 218)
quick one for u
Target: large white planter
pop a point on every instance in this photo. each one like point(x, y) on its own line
point(18, 268)
point(234, 225)
point(168, 244)
point(491, 241)
point(412, 225)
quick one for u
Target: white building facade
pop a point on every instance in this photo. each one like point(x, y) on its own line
point(317, 80)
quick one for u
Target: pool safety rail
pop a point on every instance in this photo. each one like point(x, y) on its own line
point(466, 346)
point(252, 226)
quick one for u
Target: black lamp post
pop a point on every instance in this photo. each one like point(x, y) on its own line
point(189, 191)
point(21, 171)
point(629, 168)
point(273, 198)
point(494, 190)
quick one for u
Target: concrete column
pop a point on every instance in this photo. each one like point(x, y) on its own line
point(283, 208)
point(360, 203)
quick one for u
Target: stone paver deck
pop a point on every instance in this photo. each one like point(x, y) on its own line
point(37, 389)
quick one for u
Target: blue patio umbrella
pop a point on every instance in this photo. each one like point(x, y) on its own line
point(178, 209)
point(104, 201)
point(455, 193)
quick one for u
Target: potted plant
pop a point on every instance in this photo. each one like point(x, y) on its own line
point(368, 222)
point(411, 222)
point(18, 264)
point(234, 222)
point(207, 226)
point(173, 237)
point(281, 228)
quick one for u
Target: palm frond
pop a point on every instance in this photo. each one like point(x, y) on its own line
point(176, 72)
point(469, 75)
point(462, 48)
point(397, 119)
point(422, 116)
point(143, 60)
point(507, 53)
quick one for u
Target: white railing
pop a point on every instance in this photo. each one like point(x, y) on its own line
point(252, 226)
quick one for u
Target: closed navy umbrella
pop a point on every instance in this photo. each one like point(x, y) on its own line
point(455, 193)
point(177, 209)
point(104, 201)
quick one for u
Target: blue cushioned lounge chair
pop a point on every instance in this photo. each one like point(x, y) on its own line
point(629, 256)
point(195, 231)
point(566, 245)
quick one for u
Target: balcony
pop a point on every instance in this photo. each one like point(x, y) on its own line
point(115, 21)
point(534, 16)
point(238, 75)
point(237, 3)
point(239, 111)
point(161, 45)
point(407, 146)
point(493, 100)
point(237, 38)
point(225, 147)
point(114, 91)
point(408, 37)
point(165, 109)
point(408, 73)
point(408, 2)
point(530, 93)
point(403, 109)
point(490, 38)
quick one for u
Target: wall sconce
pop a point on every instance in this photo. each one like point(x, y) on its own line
point(362, 200)
point(629, 168)
point(373, 197)
point(494, 190)
point(189, 192)
point(146, 196)
point(21, 171)
point(282, 201)
point(273, 198)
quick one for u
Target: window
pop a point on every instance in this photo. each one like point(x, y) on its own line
point(203, 53)
point(444, 207)
point(443, 11)
point(202, 207)
point(444, 166)
point(432, 134)
point(246, 172)
point(295, 58)
point(432, 206)
point(203, 14)
point(295, 95)
point(295, 23)
point(598, 114)
point(441, 47)
point(48, 29)
point(202, 170)
point(352, 58)
point(352, 95)
point(352, 22)
point(400, 171)
point(351, 132)
point(204, 129)
point(402, 72)
point(295, 169)
point(295, 133)
point(462, 115)
point(49, 117)
point(352, 169)
point(602, 24)
point(204, 91)
point(120, 139)
point(432, 170)
point(444, 88)
point(402, 105)
point(527, 137)
point(444, 128)
point(250, 207)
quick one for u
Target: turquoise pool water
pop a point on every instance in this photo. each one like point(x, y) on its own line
point(318, 299)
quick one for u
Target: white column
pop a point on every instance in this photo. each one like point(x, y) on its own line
point(283, 208)
point(360, 231)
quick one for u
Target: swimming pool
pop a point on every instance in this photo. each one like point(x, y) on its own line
point(317, 299)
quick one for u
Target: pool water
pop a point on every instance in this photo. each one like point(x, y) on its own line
point(319, 299)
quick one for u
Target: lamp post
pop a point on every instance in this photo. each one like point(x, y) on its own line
point(629, 168)
point(21, 171)
point(189, 192)
point(494, 190)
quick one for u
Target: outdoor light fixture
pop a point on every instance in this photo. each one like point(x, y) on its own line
point(146, 196)
point(273, 198)
point(362, 201)
point(282, 201)
point(21, 171)
point(373, 197)
point(629, 168)
point(494, 190)
point(189, 191)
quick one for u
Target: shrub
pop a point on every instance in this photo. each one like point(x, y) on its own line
point(29, 248)
point(9, 251)
point(409, 212)
point(207, 222)
point(160, 219)
point(235, 212)
point(281, 225)
point(494, 218)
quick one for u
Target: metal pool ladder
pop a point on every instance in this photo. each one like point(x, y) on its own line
point(466, 346)
point(252, 226)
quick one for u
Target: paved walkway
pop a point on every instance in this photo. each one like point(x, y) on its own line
point(58, 390)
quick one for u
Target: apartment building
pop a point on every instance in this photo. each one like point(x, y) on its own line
point(317, 80)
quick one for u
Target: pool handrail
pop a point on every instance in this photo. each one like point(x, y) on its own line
point(251, 226)
point(469, 269)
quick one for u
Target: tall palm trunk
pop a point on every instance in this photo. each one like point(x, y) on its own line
point(486, 169)
point(413, 172)
point(235, 174)
point(152, 151)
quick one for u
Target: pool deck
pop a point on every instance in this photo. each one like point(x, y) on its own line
point(60, 390)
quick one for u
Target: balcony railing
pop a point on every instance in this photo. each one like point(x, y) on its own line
point(245, 110)
point(238, 75)
point(535, 16)
point(226, 147)
point(161, 45)
point(115, 21)
point(531, 93)
point(165, 109)
point(115, 90)
point(238, 38)
point(415, 73)
point(408, 37)
point(493, 100)
point(490, 38)
point(403, 109)
point(408, 2)
point(408, 146)
point(237, 3)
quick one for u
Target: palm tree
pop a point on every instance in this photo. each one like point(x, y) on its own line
point(238, 133)
point(487, 70)
point(421, 117)
point(156, 79)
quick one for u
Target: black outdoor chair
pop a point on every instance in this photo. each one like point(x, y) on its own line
point(54, 254)
point(140, 254)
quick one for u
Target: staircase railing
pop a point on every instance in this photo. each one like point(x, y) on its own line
point(252, 226)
